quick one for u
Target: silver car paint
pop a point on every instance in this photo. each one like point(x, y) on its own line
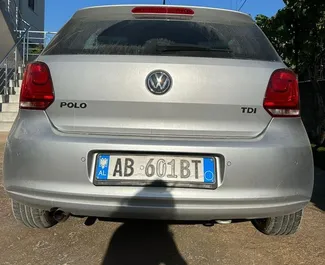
point(266, 164)
point(207, 95)
point(268, 176)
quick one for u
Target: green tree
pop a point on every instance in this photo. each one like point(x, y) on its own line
point(298, 33)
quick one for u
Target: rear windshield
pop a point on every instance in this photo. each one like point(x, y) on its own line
point(163, 38)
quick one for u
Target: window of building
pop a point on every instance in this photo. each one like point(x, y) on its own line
point(31, 4)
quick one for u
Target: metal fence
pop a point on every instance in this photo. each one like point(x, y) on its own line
point(11, 67)
point(15, 15)
point(34, 43)
point(27, 48)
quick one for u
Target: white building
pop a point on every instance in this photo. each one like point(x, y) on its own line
point(18, 15)
point(22, 38)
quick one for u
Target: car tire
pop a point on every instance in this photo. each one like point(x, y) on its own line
point(278, 226)
point(32, 217)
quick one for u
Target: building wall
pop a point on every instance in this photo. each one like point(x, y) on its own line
point(36, 17)
point(6, 31)
point(6, 39)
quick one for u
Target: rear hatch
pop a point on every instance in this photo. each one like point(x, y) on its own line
point(218, 64)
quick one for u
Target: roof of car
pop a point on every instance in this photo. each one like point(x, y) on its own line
point(207, 13)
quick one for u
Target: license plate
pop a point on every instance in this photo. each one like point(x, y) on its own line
point(141, 169)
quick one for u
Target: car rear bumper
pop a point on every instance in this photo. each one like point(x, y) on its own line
point(270, 175)
point(163, 209)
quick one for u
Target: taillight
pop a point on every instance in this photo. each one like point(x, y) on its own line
point(282, 94)
point(37, 87)
point(141, 10)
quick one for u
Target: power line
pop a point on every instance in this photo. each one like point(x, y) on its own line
point(242, 5)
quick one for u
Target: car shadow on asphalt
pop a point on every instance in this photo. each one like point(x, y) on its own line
point(318, 198)
point(141, 241)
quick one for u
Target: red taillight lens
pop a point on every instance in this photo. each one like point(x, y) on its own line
point(282, 94)
point(163, 10)
point(37, 88)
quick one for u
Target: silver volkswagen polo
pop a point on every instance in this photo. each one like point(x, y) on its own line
point(159, 112)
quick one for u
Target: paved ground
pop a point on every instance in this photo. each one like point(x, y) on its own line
point(117, 244)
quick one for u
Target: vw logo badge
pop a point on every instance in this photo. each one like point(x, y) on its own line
point(159, 82)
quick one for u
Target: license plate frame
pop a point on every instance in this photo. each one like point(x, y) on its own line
point(153, 183)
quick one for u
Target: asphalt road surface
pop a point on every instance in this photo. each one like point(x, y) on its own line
point(153, 243)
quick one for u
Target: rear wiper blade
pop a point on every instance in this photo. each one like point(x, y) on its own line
point(179, 48)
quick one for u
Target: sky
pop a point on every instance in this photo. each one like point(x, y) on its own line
point(58, 12)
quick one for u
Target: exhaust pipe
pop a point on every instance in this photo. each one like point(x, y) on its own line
point(60, 216)
point(223, 222)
